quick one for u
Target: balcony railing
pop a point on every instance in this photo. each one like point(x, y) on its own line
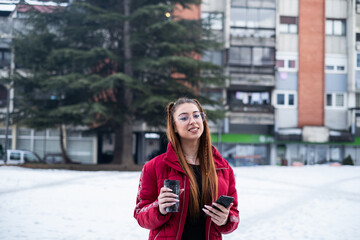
point(251, 69)
point(251, 108)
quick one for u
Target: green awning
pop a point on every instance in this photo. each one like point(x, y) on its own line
point(267, 139)
point(243, 138)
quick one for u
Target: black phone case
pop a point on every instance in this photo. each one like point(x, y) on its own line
point(224, 200)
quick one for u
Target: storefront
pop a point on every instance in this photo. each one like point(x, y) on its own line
point(244, 149)
point(252, 150)
point(310, 153)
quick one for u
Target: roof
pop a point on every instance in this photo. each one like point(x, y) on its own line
point(45, 6)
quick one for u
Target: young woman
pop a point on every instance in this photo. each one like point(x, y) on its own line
point(203, 174)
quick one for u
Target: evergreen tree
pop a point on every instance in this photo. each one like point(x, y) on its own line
point(105, 64)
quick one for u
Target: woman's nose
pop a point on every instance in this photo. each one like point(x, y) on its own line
point(191, 119)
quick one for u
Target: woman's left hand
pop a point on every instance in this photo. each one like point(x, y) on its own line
point(218, 217)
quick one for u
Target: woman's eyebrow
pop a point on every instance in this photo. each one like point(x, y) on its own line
point(188, 113)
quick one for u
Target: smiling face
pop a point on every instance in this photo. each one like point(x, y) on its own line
point(188, 121)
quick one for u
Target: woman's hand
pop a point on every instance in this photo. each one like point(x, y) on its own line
point(218, 217)
point(166, 199)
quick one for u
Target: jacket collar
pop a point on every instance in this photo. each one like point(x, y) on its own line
point(172, 161)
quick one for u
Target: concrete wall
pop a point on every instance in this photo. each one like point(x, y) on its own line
point(288, 7)
point(336, 83)
point(336, 45)
point(286, 117)
point(336, 119)
point(287, 42)
point(336, 8)
point(286, 81)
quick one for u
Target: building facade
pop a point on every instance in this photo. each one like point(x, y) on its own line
point(293, 94)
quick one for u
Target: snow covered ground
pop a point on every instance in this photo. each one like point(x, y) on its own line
point(317, 202)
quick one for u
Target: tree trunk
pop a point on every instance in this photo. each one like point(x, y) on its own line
point(123, 133)
point(123, 145)
point(65, 157)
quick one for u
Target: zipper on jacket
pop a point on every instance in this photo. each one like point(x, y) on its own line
point(157, 234)
point(182, 209)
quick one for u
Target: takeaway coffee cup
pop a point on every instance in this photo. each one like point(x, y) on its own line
point(174, 185)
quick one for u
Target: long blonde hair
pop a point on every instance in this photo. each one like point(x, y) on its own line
point(208, 169)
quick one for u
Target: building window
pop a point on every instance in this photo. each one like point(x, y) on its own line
point(256, 98)
point(291, 64)
point(357, 103)
point(252, 18)
point(213, 94)
point(5, 56)
point(329, 100)
point(240, 55)
point(336, 27)
point(212, 20)
point(335, 100)
point(288, 24)
point(257, 56)
point(291, 100)
point(358, 60)
point(280, 63)
point(286, 64)
point(280, 99)
point(286, 99)
point(3, 96)
point(214, 57)
point(339, 100)
point(357, 37)
point(254, 3)
point(335, 68)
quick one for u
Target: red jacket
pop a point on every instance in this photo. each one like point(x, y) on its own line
point(171, 226)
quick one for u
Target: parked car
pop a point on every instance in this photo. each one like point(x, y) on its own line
point(51, 158)
point(21, 157)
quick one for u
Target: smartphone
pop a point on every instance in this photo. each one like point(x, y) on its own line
point(224, 201)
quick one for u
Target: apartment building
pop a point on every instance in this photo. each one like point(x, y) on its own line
point(294, 88)
point(293, 93)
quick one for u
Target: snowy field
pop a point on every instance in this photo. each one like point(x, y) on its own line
point(317, 202)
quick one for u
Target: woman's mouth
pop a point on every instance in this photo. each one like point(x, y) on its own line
point(195, 129)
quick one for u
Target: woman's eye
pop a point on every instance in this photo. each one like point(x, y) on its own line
point(196, 115)
point(184, 118)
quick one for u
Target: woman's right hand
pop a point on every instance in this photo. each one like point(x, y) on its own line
point(166, 199)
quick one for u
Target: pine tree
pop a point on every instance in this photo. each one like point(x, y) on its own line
point(105, 64)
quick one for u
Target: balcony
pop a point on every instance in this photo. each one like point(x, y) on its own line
point(251, 69)
point(252, 41)
point(251, 108)
point(262, 114)
point(253, 76)
point(251, 118)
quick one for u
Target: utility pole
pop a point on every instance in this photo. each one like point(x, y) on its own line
point(11, 74)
